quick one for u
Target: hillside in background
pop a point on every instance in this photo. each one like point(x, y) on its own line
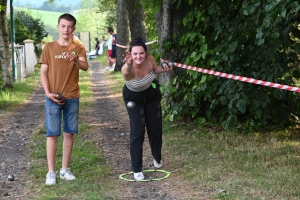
point(38, 3)
point(49, 18)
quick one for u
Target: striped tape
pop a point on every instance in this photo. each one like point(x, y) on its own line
point(234, 77)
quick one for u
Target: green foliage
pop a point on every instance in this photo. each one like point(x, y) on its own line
point(21, 32)
point(48, 18)
point(10, 98)
point(256, 39)
point(90, 20)
point(27, 27)
point(2, 7)
point(108, 7)
point(150, 9)
point(237, 166)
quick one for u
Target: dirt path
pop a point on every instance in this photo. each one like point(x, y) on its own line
point(16, 129)
point(111, 122)
point(109, 129)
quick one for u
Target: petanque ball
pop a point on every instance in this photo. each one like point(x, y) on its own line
point(59, 96)
point(170, 64)
point(11, 177)
point(130, 104)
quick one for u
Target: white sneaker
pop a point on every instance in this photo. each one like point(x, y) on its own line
point(112, 69)
point(139, 176)
point(51, 178)
point(156, 164)
point(66, 174)
point(107, 68)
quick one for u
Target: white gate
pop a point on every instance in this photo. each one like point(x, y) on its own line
point(19, 56)
point(20, 62)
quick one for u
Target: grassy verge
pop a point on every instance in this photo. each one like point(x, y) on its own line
point(87, 163)
point(11, 98)
point(228, 165)
point(235, 166)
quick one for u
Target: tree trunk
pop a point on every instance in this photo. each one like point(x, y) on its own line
point(122, 32)
point(136, 19)
point(4, 48)
point(165, 34)
point(129, 12)
point(165, 23)
point(170, 29)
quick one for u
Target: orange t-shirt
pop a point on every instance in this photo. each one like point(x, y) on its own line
point(63, 75)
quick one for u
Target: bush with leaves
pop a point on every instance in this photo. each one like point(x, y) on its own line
point(26, 27)
point(256, 39)
point(109, 8)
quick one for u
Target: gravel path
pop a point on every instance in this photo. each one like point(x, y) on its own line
point(16, 129)
point(113, 123)
point(109, 129)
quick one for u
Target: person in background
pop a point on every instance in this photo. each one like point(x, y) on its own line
point(142, 89)
point(113, 55)
point(110, 42)
point(103, 42)
point(61, 61)
point(97, 46)
point(102, 45)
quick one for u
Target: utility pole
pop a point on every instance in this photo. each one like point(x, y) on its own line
point(12, 39)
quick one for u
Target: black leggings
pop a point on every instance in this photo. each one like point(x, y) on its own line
point(146, 113)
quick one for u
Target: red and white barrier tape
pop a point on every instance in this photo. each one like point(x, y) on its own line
point(234, 77)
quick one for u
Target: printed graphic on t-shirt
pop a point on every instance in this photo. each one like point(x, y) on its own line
point(63, 55)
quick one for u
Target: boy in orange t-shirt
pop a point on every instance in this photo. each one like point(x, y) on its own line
point(61, 61)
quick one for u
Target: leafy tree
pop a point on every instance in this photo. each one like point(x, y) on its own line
point(130, 17)
point(35, 28)
point(90, 20)
point(109, 7)
point(248, 38)
point(21, 32)
point(48, 6)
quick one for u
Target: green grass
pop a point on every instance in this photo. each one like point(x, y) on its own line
point(231, 165)
point(87, 162)
point(116, 76)
point(217, 164)
point(254, 166)
point(10, 98)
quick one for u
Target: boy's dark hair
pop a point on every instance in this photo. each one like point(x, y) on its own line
point(68, 17)
point(110, 29)
point(138, 41)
